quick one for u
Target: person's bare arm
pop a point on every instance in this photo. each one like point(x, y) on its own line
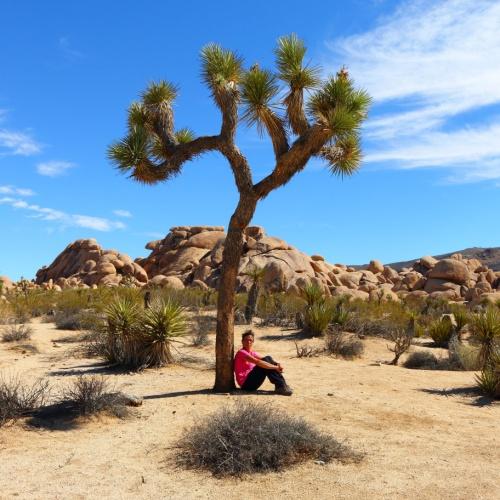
point(264, 364)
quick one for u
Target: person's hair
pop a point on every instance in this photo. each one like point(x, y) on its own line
point(247, 333)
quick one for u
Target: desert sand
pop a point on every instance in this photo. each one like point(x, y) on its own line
point(426, 434)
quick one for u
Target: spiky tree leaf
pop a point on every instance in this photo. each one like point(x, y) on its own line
point(137, 115)
point(338, 105)
point(159, 93)
point(184, 135)
point(258, 89)
point(343, 157)
point(131, 150)
point(221, 68)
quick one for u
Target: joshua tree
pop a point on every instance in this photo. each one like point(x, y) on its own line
point(256, 274)
point(325, 126)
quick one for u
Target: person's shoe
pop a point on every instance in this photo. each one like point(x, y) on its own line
point(283, 390)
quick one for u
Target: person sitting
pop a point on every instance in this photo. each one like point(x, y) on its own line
point(251, 370)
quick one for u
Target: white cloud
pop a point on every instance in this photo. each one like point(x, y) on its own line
point(64, 219)
point(12, 190)
point(122, 213)
point(431, 61)
point(54, 168)
point(18, 143)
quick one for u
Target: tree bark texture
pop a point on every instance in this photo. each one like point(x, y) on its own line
point(233, 246)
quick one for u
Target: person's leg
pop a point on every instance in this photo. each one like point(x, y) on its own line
point(274, 377)
point(254, 379)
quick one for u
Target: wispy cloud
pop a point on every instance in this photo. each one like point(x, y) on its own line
point(67, 50)
point(122, 213)
point(12, 190)
point(18, 143)
point(54, 168)
point(428, 63)
point(62, 218)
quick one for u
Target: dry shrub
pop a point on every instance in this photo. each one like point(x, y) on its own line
point(203, 326)
point(338, 343)
point(18, 399)
point(251, 438)
point(16, 332)
point(307, 351)
point(423, 360)
point(68, 320)
point(89, 395)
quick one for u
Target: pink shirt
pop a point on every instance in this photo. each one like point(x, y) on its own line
point(242, 367)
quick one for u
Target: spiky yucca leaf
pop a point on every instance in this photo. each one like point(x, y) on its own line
point(184, 135)
point(137, 115)
point(312, 294)
point(339, 105)
point(131, 150)
point(162, 324)
point(344, 156)
point(258, 89)
point(220, 67)
point(159, 93)
point(289, 60)
point(486, 331)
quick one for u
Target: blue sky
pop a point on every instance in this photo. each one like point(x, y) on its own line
point(430, 182)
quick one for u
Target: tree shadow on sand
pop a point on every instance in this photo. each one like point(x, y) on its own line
point(295, 335)
point(477, 398)
point(208, 392)
point(60, 416)
point(100, 368)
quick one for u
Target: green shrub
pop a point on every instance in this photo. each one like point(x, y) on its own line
point(317, 317)
point(486, 332)
point(441, 331)
point(488, 380)
point(222, 443)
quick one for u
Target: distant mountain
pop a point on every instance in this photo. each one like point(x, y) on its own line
point(488, 256)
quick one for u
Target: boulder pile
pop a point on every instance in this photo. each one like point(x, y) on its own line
point(84, 263)
point(192, 256)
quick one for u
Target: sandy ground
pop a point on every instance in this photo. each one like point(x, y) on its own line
point(426, 434)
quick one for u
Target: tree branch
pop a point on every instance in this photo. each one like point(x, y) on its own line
point(294, 160)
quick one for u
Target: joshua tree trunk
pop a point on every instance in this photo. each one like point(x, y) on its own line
point(253, 299)
point(224, 344)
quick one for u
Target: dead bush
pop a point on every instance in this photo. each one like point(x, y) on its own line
point(423, 360)
point(18, 399)
point(203, 326)
point(307, 351)
point(338, 343)
point(222, 443)
point(89, 395)
point(16, 332)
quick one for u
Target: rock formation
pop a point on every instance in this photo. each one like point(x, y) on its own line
point(192, 256)
point(85, 263)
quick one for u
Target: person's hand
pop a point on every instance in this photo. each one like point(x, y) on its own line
point(279, 367)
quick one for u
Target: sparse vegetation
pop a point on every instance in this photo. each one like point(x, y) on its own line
point(89, 395)
point(402, 339)
point(441, 330)
point(18, 399)
point(222, 443)
point(307, 351)
point(488, 380)
point(486, 333)
point(204, 325)
point(422, 360)
point(339, 343)
point(16, 332)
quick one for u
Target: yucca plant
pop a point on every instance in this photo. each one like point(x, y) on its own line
point(441, 332)
point(317, 317)
point(163, 324)
point(489, 378)
point(123, 317)
point(486, 332)
point(312, 294)
point(462, 318)
point(257, 275)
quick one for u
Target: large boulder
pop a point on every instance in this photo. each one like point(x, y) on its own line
point(84, 262)
point(453, 270)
